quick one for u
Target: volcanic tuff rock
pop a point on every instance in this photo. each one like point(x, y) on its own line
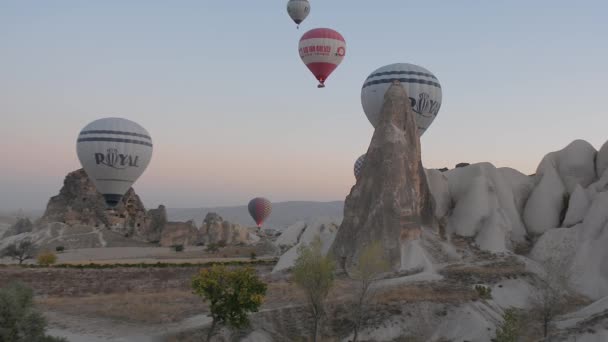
point(180, 233)
point(391, 199)
point(157, 220)
point(215, 229)
point(79, 203)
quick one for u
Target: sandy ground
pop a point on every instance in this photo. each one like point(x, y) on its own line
point(85, 329)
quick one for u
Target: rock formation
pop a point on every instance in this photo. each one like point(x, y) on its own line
point(79, 203)
point(556, 179)
point(156, 222)
point(482, 202)
point(215, 229)
point(391, 200)
point(302, 234)
point(180, 233)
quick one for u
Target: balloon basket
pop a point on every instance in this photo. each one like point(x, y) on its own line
point(321, 85)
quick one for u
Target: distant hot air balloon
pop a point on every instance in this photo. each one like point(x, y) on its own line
point(259, 209)
point(298, 10)
point(421, 85)
point(358, 165)
point(114, 152)
point(322, 50)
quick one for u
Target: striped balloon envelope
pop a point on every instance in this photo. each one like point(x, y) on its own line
point(421, 85)
point(358, 165)
point(322, 50)
point(114, 152)
point(259, 209)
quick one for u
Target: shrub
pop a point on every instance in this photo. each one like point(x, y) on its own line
point(46, 258)
point(19, 322)
point(253, 256)
point(221, 243)
point(212, 247)
point(59, 249)
point(178, 248)
point(485, 292)
point(508, 331)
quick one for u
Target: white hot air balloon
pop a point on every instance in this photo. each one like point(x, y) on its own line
point(114, 152)
point(421, 85)
point(298, 10)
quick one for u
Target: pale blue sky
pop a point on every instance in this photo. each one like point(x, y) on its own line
point(234, 113)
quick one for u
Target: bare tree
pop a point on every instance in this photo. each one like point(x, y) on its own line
point(550, 298)
point(21, 251)
point(314, 273)
point(370, 266)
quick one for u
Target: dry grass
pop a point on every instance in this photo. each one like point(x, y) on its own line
point(163, 307)
point(424, 292)
point(285, 293)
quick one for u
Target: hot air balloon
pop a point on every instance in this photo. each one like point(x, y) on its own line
point(421, 85)
point(358, 165)
point(259, 209)
point(298, 10)
point(322, 50)
point(114, 152)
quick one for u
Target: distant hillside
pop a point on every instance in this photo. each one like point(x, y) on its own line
point(283, 213)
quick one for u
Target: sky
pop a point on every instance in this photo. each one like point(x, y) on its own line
point(235, 114)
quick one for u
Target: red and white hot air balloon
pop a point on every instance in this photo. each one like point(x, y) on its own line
point(322, 50)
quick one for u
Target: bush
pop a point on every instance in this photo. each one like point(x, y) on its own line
point(46, 258)
point(59, 249)
point(212, 247)
point(221, 243)
point(19, 322)
point(178, 248)
point(253, 256)
point(508, 331)
point(485, 292)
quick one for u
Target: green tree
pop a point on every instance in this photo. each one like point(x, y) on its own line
point(509, 330)
point(314, 273)
point(21, 251)
point(370, 266)
point(232, 295)
point(19, 322)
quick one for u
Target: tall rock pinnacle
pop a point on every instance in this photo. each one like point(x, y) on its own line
point(391, 199)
